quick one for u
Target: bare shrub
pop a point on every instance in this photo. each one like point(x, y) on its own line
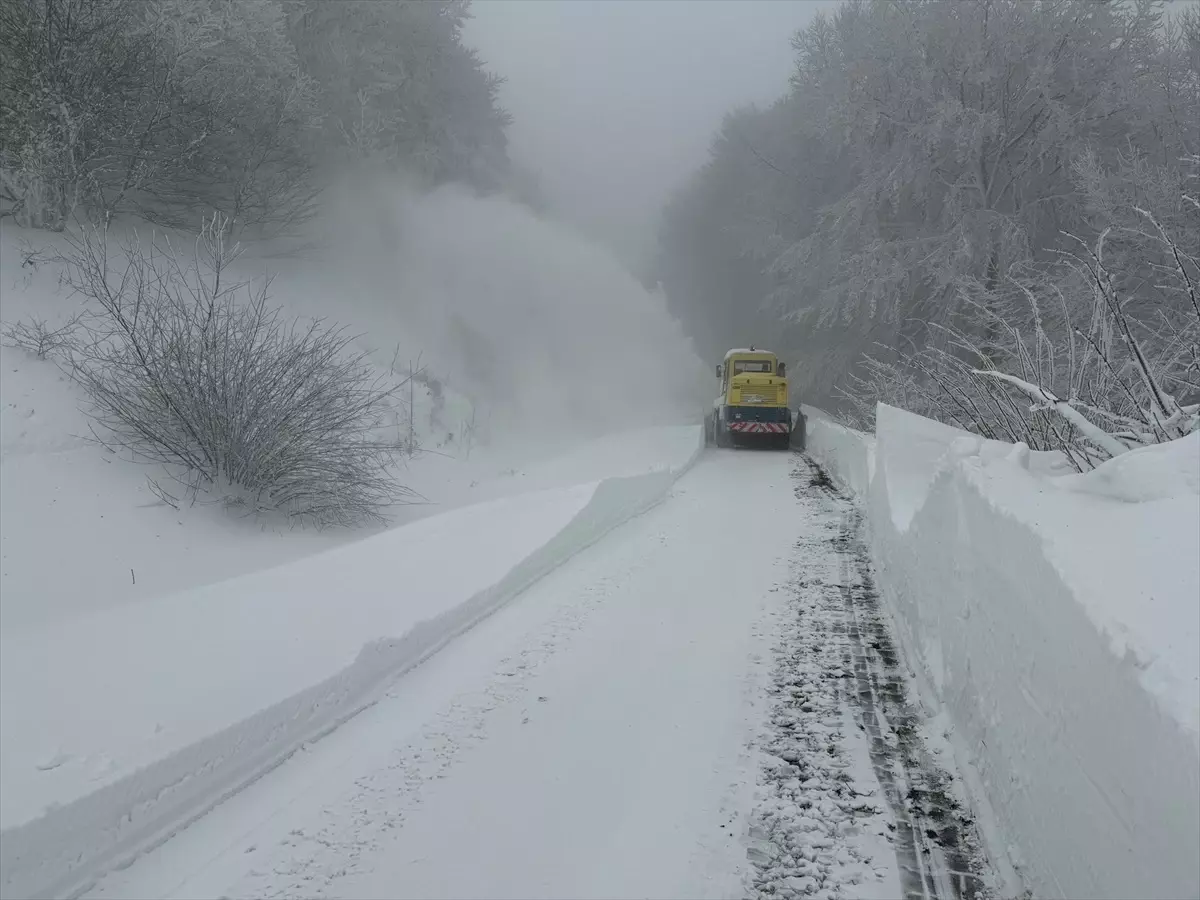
point(43, 341)
point(205, 376)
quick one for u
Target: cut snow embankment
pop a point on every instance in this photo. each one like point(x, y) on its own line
point(849, 455)
point(1055, 620)
point(122, 725)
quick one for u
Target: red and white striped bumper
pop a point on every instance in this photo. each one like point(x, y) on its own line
point(759, 427)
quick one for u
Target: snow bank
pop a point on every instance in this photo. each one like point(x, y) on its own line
point(1055, 619)
point(847, 455)
point(122, 726)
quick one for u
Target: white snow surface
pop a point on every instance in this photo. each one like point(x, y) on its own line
point(88, 700)
point(300, 648)
point(1055, 619)
point(507, 470)
point(1158, 472)
point(595, 738)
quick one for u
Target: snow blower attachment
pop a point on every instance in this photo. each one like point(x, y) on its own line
point(753, 406)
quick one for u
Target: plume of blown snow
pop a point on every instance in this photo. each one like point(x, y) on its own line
point(545, 330)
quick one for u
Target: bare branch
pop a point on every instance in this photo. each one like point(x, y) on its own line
point(203, 376)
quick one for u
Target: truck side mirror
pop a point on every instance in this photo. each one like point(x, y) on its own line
point(719, 371)
point(782, 370)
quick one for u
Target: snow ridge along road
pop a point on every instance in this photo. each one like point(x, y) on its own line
point(668, 715)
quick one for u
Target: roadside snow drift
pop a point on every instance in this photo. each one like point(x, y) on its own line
point(848, 454)
point(1055, 617)
point(122, 725)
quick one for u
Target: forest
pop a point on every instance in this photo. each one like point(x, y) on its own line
point(172, 110)
point(985, 212)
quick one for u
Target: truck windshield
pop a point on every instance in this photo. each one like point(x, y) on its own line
point(752, 365)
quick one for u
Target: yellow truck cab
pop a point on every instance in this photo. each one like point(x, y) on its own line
point(754, 401)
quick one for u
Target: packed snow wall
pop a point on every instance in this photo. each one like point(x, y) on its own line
point(1051, 619)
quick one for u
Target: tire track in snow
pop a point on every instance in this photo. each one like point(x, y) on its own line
point(312, 863)
point(823, 830)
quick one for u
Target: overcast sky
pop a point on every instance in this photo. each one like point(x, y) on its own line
point(614, 101)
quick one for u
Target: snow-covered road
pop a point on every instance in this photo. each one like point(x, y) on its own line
point(678, 712)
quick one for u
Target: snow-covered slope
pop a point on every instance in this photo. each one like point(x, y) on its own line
point(123, 687)
point(1056, 619)
point(193, 695)
point(469, 291)
point(116, 603)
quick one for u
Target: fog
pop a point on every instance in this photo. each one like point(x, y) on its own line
point(541, 316)
point(542, 328)
point(371, 124)
point(614, 102)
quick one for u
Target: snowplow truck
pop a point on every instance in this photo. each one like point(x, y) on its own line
point(753, 406)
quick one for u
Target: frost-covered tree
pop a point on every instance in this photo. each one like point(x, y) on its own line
point(73, 74)
point(238, 118)
point(924, 153)
point(398, 84)
point(1092, 354)
point(163, 107)
point(174, 108)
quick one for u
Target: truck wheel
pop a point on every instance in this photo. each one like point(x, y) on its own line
point(723, 437)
